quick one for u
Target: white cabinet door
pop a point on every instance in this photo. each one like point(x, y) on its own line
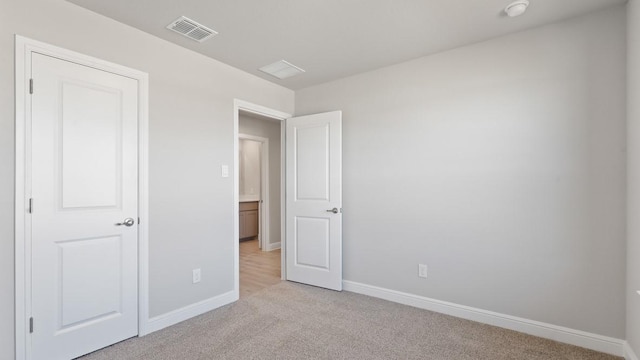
point(314, 200)
point(84, 179)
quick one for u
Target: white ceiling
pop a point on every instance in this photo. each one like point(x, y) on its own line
point(331, 39)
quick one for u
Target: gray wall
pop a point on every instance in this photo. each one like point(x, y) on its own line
point(633, 179)
point(191, 135)
point(270, 129)
point(500, 165)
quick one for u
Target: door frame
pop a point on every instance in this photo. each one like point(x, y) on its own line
point(272, 114)
point(263, 224)
point(24, 48)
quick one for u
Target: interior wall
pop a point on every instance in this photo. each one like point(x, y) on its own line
point(500, 165)
point(633, 180)
point(250, 170)
point(191, 136)
point(270, 129)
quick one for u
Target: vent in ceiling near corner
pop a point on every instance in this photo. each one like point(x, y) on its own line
point(281, 69)
point(191, 29)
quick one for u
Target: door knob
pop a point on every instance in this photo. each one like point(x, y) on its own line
point(127, 222)
point(334, 210)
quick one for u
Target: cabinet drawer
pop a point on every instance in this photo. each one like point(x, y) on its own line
point(249, 222)
point(246, 206)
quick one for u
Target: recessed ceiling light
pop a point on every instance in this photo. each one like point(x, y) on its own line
point(517, 8)
point(281, 69)
point(191, 29)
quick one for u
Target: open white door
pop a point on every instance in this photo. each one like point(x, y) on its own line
point(314, 200)
point(84, 237)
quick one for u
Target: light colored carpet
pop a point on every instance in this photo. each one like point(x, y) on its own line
point(294, 321)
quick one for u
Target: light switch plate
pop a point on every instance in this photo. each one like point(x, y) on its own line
point(225, 171)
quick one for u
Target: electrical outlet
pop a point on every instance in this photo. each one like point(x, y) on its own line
point(422, 270)
point(196, 276)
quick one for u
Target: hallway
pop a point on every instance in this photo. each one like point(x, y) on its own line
point(258, 269)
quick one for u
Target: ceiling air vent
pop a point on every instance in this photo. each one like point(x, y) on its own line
point(191, 29)
point(281, 69)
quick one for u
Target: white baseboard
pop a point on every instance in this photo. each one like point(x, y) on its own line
point(629, 354)
point(273, 246)
point(548, 331)
point(179, 315)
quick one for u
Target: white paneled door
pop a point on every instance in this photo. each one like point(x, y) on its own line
point(84, 182)
point(314, 200)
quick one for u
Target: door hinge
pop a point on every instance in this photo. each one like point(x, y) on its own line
point(30, 205)
point(138, 221)
point(30, 86)
point(30, 325)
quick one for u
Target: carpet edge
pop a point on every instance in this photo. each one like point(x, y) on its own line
point(562, 334)
point(187, 312)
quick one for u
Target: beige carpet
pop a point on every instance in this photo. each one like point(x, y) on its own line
point(293, 321)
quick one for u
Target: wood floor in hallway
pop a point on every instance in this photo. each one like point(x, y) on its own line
point(258, 269)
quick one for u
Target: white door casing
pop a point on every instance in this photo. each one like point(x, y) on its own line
point(314, 200)
point(84, 180)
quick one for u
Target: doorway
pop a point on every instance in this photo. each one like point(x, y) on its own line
point(310, 195)
point(253, 152)
point(260, 201)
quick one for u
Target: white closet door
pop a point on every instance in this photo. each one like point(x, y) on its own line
point(84, 183)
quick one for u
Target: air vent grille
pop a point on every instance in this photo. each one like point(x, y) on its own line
point(200, 34)
point(191, 29)
point(282, 69)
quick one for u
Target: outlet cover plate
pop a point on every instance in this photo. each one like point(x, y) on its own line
point(422, 270)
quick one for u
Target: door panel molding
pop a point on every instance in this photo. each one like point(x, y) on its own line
point(24, 49)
